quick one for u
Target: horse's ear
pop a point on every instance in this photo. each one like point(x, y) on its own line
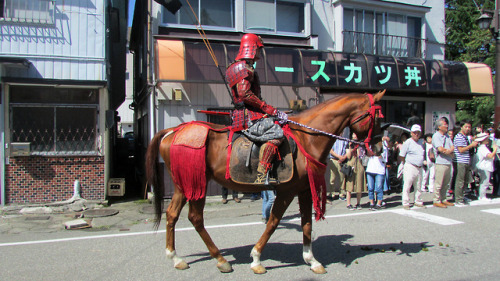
point(378, 96)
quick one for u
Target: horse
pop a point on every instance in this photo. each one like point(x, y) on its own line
point(314, 131)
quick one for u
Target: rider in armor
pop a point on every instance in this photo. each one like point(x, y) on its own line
point(250, 109)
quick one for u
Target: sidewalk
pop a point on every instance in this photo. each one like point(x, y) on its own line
point(116, 215)
point(130, 215)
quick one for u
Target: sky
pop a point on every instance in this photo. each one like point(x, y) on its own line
point(131, 5)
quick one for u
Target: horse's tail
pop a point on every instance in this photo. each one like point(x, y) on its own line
point(152, 175)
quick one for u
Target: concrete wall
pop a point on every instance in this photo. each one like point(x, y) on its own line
point(200, 96)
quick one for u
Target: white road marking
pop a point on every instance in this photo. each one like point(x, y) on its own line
point(412, 214)
point(492, 211)
point(482, 203)
point(426, 217)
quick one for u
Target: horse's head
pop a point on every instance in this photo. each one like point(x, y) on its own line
point(365, 121)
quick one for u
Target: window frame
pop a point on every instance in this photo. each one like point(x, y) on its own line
point(194, 25)
point(239, 19)
point(54, 136)
point(276, 31)
point(380, 46)
point(49, 12)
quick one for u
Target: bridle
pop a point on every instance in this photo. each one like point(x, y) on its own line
point(372, 114)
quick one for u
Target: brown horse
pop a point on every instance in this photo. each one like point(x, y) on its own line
point(354, 110)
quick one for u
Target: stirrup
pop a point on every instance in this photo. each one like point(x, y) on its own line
point(265, 179)
point(261, 179)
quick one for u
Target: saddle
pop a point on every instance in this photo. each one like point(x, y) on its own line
point(245, 159)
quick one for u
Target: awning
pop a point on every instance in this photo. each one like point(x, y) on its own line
point(14, 61)
point(179, 61)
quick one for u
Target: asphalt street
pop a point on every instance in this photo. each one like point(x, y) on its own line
point(457, 243)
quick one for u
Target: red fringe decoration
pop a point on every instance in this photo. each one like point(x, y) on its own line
point(318, 188)
point(188, 170)
point(316, 174)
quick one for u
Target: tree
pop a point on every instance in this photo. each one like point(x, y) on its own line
point(466, 42)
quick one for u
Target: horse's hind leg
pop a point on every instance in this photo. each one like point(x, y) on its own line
point(196, 218)
point(305, 203)
point(281, 203)
point(173, 212)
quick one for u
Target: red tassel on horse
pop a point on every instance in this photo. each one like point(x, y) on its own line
point(187, 160)
point(188, 170)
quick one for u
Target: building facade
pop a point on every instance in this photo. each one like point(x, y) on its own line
point(62, 69)
point(314, 50)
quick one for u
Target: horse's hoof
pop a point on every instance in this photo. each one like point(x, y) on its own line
point(225, 267)
point(259, 269)
point(182, 265)
point(318, 269)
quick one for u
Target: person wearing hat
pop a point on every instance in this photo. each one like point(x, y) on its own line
point(484, 163)
point(412, 155)
point(443, 149)
point(463, 149)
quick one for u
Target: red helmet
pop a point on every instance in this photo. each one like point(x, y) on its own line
point(249, 45)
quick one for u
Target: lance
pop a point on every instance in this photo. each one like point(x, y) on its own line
point(210, 112)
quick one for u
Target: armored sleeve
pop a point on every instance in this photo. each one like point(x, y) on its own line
point(248, 97)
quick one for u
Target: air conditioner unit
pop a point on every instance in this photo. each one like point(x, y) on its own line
point(293, 105)
point(116, 187)
point(20, 149)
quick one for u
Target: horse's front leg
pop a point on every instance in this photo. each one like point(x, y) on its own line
point(281, 203)
point(173, 212)
point(196, 218)
point(305, 203)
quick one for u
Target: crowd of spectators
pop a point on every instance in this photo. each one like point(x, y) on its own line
point(455, 165)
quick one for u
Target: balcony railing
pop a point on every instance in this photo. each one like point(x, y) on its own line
point(27, 11)
point(383, 44)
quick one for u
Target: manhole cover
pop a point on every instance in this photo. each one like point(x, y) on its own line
point(97, 213)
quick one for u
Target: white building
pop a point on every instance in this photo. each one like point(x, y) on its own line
point(61, 79)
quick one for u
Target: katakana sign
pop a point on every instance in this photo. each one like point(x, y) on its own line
point(288, 66)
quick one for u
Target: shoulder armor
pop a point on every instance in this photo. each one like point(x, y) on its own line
point(238, 71)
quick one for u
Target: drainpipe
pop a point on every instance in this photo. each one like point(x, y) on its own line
point(2, 143)
point(150, 79)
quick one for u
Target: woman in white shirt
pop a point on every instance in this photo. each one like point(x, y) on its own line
point(484, 163)
point(375, 174)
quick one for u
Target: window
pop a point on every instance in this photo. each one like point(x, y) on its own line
point(382, 33)
point(55, 121)
point(27, 11)
point(405, 113)
point(209, 12)
point(274, 16)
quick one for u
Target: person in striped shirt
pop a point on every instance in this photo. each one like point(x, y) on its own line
point(463, 151)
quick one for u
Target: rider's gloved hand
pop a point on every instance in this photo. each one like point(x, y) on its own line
point(282, 116)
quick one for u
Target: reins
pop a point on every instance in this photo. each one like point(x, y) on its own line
point(325, 133)
point(371, 112)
